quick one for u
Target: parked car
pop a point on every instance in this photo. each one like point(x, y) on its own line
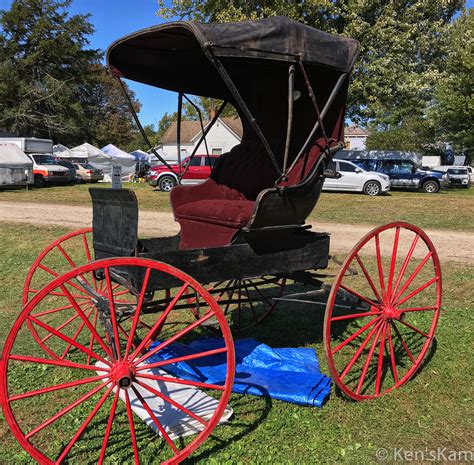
point(406, 174)
point(458, 176)
point(198, 171)
point(356, 179)
point(470, 170)
point(46, 170)
point(87, 173)
point(70, 166)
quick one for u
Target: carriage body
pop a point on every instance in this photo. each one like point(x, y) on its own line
point(244, 247)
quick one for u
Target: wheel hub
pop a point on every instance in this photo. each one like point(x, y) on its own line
point(122, 374)
point(391, 313)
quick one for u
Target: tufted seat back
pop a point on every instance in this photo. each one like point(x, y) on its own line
point(244, 172)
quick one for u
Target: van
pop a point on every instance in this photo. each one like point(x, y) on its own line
point(47, 171)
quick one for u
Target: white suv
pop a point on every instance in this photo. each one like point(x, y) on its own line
point(355, 179)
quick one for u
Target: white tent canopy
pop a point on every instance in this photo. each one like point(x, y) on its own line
point(120, 158)
point(124, 158)
point(87, 151)
point(61, 151)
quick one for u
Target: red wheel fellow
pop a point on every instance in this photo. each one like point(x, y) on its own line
point(87, 405)
point(382, 311)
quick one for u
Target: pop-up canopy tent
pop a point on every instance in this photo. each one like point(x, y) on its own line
point(379, 155)
point(16, 168)
point(120, 158)
point(85, 152)
point(119, 155)
point(61, 151)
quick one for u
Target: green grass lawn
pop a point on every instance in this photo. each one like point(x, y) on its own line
point(449, 209)
point(432, 410)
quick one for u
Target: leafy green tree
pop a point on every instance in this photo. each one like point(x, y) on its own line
point(43, 64)
point(414, 134)
point(51, 84)
point(164, 124)
point(138, 143)
point(208, 107)
point(402, 44)
point(109, 119)
point(453, 109)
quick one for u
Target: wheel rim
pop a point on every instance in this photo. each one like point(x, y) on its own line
point(372, 188)
point(430, 187)
point(64, 254)
point(105, 367)
point(52, 261)
point(245, 302)
point(380, 322)
point(167, 185)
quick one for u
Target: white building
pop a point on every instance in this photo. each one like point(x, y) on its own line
point(354, 138)
point(225, 134)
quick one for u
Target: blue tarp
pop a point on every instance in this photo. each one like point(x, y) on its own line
point(291, 375)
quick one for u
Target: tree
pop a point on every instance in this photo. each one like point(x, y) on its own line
point(453, 108)
point(208, 107)
point(51, 84)
point(108, 113)
point(43, 65)
point(414, 134)
point(164, 124)
point(138, 142)
point(402, 44)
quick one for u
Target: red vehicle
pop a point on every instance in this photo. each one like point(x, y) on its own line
point(198, 171)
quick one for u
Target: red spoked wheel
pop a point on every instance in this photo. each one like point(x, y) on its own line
point(64, 254)
point(245, 302)
point(89, 403)
point(382, 311)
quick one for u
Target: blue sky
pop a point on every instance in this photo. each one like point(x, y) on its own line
point(113, 19)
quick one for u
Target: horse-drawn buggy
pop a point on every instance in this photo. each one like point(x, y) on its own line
point(106, 313)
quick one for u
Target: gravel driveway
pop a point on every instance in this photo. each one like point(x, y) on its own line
point(451, 245)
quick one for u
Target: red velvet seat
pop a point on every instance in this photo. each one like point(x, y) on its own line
point(231, 213)
point(212, 213)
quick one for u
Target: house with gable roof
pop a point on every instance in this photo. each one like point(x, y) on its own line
point(355, 138)
point(225, 134)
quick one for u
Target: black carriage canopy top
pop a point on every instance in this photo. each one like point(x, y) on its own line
point(277, 73)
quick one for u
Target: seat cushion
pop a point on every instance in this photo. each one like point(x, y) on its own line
point(231, 213)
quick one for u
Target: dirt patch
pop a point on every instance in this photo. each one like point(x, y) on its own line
point(451, 245)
